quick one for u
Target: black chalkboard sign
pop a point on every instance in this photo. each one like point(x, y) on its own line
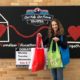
point(20, 24)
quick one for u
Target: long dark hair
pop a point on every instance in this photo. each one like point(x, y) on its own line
point(60, 28)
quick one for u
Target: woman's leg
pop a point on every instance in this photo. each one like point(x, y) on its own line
point(59, 73)
point(54, 74)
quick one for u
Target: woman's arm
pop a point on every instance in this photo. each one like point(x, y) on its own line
point(46, 40)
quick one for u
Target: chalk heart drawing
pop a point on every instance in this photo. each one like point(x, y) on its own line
point(2, 30)
point(74, 32)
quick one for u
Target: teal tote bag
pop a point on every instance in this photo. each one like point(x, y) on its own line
point(65, 54)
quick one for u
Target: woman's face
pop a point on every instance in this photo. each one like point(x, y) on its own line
point(54, 26)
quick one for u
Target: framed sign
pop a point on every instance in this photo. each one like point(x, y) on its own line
point(23, 57)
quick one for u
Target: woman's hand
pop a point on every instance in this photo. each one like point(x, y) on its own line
point(39, 34)
point(56, 39)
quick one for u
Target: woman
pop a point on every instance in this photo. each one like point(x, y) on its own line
point(55, 31)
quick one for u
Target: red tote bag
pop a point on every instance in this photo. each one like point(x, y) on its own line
point(39, 56)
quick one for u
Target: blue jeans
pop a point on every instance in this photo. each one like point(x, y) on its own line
point(57, 73)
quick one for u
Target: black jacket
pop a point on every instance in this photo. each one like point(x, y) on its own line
point(63, 43)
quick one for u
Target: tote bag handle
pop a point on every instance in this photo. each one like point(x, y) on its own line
point(39, 41)
point(51, 45)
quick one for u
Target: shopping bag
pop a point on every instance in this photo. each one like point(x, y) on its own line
point(32, 56)
point(65, 54)
point(39, 56)
point(54, 57)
